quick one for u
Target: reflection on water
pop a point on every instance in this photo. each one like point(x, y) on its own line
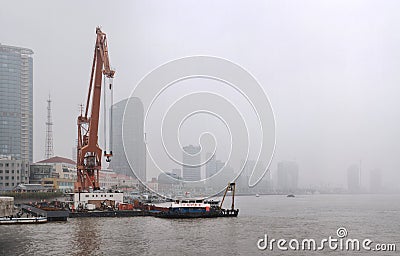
point(85, 238)
point(365, 216)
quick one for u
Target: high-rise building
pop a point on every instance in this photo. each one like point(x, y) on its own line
point(353, 178)
point(288, 176)
point(134, 143)
point(211, 168)
point(16, 102)
point(191, 158)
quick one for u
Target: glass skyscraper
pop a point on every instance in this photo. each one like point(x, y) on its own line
point(16, 102)
point(134, 143)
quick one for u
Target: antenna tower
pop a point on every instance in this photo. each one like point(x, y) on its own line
point(49, 133)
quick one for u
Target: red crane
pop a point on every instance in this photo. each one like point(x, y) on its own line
point(88, 151)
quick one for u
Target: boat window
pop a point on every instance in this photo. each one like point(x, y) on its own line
point(199, 201)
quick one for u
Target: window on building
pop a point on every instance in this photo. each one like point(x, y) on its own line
point(7, 171)
point(7, 177)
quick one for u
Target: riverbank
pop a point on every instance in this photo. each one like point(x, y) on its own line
point(32, 196)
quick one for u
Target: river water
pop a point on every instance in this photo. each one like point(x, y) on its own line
point(376, 217)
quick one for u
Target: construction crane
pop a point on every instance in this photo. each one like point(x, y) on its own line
point(89, 153)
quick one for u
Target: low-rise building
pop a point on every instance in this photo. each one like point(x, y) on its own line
point(30, 188)
point(55, 174)
point(64, 167)
point(58, 184)
point(13, 172)
point(38, 172)
point(109, 179)
point(153, 184)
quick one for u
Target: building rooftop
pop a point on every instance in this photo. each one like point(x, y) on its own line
point(29, 187)
point(57, 159)
point(15, 49)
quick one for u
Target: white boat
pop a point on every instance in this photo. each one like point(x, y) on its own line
point(31, 220)
point(257, 195)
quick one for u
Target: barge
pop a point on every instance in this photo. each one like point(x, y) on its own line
point(196, 208)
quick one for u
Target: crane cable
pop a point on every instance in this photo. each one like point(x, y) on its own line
point(105, 116)
point(111, 114)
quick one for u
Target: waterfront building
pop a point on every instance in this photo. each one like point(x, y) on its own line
point(56, 173)
point(109, 179)
point(169, 183)
point(13, 172)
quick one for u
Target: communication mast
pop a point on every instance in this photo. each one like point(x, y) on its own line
point(49, 150)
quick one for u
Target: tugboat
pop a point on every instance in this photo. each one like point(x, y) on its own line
point(197, 208)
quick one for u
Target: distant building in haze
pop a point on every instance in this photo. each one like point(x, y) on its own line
point(134, 143)
point(211, 168)
point(288, 176)
point(177, 172)
point(353, 179)
point(191, 158)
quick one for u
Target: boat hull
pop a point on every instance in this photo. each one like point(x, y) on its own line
point(12, 221)
point(189, 215)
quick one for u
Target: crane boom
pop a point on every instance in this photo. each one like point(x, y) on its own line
point(88, 151)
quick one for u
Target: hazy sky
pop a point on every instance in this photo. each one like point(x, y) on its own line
point(330, 68)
